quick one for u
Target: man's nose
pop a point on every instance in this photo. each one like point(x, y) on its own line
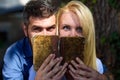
point(44, 32)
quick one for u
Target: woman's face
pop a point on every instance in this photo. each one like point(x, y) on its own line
point(70, 25)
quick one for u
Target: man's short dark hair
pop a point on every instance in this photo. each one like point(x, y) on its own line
point(40, 8)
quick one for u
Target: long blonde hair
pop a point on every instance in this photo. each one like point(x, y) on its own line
point(87, 23)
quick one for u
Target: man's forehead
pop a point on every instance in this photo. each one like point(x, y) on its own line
point(51, 18)
point(46, 22)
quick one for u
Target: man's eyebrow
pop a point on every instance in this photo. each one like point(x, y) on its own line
point(52, 26)
point(36, 26)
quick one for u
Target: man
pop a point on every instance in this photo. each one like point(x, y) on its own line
point(39, 19)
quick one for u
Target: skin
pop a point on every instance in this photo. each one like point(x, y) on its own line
point(38, 26)
point(70, 26)
point(50, 68)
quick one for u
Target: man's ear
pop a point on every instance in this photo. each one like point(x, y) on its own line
point(25, 30)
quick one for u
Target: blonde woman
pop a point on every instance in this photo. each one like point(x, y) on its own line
point(75, 19)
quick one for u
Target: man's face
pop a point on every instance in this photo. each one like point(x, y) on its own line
point(41, 26)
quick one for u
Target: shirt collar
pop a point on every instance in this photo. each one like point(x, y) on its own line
point(27, 49)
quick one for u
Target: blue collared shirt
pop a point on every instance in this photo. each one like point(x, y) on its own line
point(17, 61)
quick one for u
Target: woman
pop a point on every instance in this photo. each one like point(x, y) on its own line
point(75, 19)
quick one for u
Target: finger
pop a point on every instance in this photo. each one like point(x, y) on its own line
point(47, 60)
point(84, 73)
point(79, 71)
point(84, 67)
point(79, 60)
point(76, 77)
point(94, 74)
point(73, 75)
point(54, 71)
point(64, 66)
point(72, 69)
point(61, 58)
point(60, 75)
point(57, 64)
point(74, 64)
point(62, 71)
point(52, 63)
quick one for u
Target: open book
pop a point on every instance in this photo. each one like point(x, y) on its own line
point(42, 47)
point(67, 47)
point(72, 47)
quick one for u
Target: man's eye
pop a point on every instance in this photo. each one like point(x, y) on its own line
point(37, 29)
point(51, 28)
point(66, 28)
point(79, 30)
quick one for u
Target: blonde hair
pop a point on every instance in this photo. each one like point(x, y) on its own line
point(86, 20)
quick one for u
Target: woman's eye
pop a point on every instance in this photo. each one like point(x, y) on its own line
point(66, 28)
point(79, 30)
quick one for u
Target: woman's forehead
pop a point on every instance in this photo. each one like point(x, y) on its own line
point(70, 17)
